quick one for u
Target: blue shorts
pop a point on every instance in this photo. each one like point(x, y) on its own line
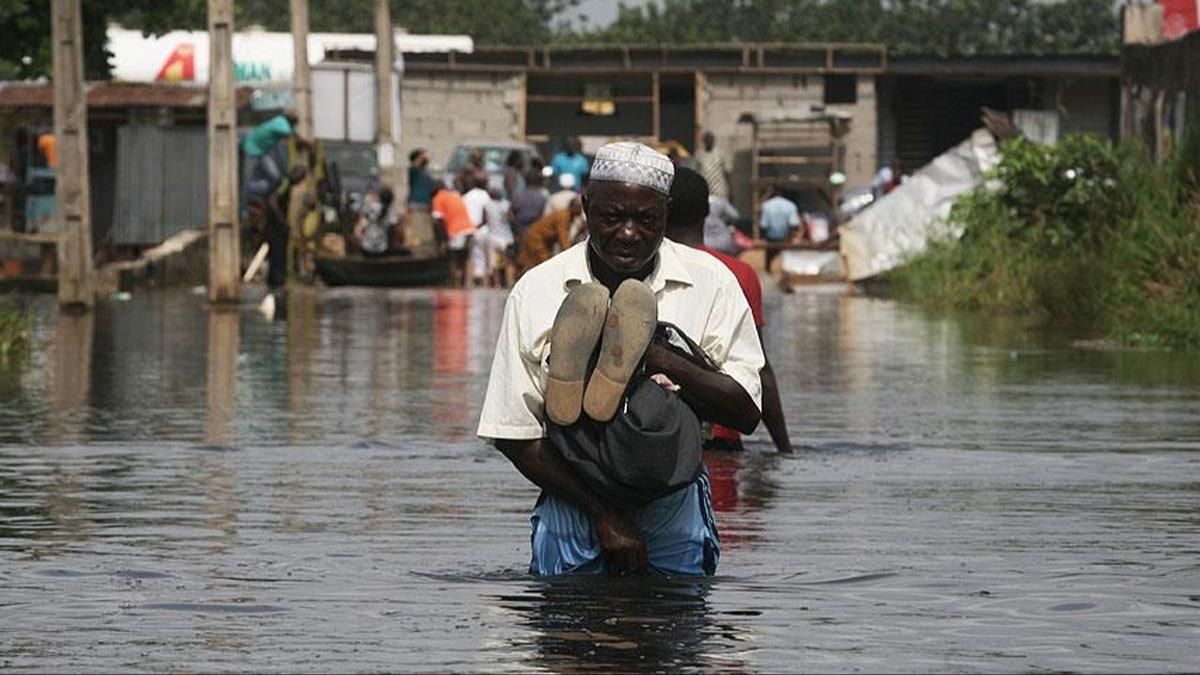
point(680, 532)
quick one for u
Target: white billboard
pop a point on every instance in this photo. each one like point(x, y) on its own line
point(259, 57)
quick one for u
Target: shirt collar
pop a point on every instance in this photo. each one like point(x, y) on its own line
point(668, 269)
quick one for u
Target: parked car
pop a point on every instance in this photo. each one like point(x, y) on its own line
point(495, 158)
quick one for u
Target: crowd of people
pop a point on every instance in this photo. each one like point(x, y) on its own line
point(493, 225)
point(494, 230)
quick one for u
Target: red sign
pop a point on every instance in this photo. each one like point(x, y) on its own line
point(180, 65)
point(1180, 17)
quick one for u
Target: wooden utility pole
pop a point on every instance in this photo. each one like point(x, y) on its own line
point(224, 246)
point(302, 101)
point(389, 169)
point(221, 373)
point(76, 284)
point(301, 74)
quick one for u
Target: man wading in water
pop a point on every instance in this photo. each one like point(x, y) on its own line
point(540, 381)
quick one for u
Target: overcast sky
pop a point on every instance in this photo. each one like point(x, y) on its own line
point(600, 12)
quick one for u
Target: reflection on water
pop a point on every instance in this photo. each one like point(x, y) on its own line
point(224, 340)
point(589, 625)
point(69, 377)
point(186, 488)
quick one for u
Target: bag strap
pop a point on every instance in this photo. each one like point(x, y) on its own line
point(694, 354)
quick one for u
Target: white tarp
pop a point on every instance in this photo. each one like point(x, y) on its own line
point(803, 263)
point(344, 102)
point(901, 223)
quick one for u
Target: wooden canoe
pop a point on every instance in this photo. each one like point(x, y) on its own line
point(422, 268)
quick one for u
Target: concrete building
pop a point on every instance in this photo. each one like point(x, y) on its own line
point(904, 110)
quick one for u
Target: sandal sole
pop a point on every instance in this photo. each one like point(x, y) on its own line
point(573, 337)
point(628, 329)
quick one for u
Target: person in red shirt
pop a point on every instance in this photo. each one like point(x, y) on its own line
point(685, 225)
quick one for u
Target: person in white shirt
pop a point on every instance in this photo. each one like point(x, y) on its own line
point(490, 256)
point(576, 529)
point(561, 200)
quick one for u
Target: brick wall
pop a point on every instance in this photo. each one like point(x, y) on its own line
point(441, 110)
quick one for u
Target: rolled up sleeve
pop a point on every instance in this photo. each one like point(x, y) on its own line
point(512, 407)
point(731, 339)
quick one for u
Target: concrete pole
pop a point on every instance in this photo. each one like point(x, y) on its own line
point(389, 169)
point(301, 74)
point(302, 94)
point(221, 373)
point(224, 246)
point(76, 281)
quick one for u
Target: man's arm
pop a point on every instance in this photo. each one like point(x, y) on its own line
point(619, 538)
point(716, 396)
point(772, 412)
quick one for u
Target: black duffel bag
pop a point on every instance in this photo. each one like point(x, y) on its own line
point(651, 448)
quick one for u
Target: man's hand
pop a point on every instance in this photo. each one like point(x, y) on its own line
point(619, 538)
point(620, 541)
point(714, 396)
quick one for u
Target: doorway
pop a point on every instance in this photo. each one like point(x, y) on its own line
point(677, 110)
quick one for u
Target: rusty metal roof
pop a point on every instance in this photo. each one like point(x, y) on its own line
point(115, 95)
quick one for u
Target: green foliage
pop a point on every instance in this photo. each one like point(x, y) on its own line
point(1080, 231)
point(516, 22)
point(14, 334)
point(938, 27)
point(25, 51)
point(1060, 194)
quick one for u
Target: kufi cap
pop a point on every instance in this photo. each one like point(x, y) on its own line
point(631, 162)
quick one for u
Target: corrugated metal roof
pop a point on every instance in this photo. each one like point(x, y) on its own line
point(1011, 65)
point(115, 95)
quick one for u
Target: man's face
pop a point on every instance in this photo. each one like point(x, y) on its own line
point(625, 223)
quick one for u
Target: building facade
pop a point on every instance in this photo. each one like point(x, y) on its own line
point(904, 111)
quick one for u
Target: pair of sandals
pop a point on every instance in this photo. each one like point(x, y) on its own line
point(623, 328)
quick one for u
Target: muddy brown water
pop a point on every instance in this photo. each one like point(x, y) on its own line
point(182, 490)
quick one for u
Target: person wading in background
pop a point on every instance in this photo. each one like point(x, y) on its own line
point(780, 221)
point(420, 184)
point(547, 236)
point(276, 233)
point(450, 213)
point(527, 205)
point(570, 162)
point(260, 168)
point(685, 224)
point(711, 164)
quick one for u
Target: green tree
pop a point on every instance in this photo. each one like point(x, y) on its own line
point(25, 51)
point(942, 27)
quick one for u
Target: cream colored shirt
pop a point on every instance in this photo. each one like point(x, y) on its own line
point(695, 291)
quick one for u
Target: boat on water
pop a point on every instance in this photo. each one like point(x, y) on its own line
point(418, 267)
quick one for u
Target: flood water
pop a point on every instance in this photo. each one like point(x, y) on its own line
point(186, 490)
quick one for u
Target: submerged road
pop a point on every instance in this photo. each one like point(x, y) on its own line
point(185, 490)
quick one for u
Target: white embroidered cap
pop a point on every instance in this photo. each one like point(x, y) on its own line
point(631, 162)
